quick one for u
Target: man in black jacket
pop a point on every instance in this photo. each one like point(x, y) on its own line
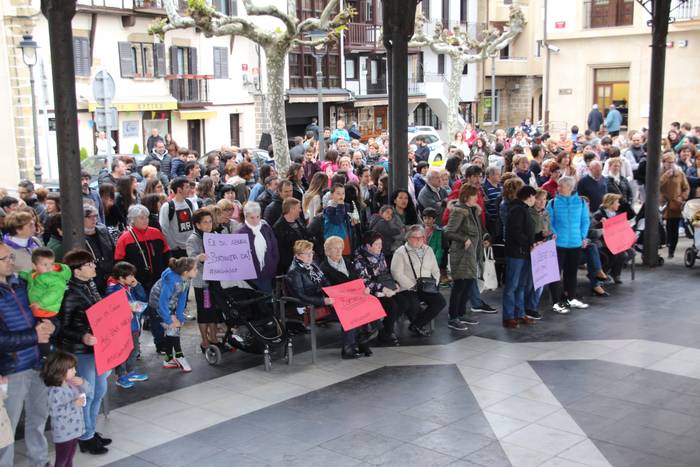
point(595, 119)
point(288, 229)
point(273, 211)
point(520, 236)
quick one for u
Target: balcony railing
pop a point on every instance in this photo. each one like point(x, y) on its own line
point(364, 35)
point(608, 13)
point(156, 4)
point(415, 87)
point(689, 9)
point(379, 87)
point(190, 89)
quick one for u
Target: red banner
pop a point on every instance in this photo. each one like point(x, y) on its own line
point(353, 306)
point(618, 234)
point(110, 320)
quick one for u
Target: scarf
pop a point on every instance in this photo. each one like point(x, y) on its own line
point(313, 270)
point(259, 243)
point(339, 266)
point(420, 252)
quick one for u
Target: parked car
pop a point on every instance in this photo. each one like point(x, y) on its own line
point(432, 139)
point(257, 156)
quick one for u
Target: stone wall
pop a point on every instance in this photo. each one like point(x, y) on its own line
point(520, 99)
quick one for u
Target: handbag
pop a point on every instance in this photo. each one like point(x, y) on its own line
point(423, 284)
point(489, 281)
point(387, 281)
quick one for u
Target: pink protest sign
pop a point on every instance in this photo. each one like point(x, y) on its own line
point(618, 234)
point(228, 258)
point(545, 266)
point(353, 306)
point(110, 320)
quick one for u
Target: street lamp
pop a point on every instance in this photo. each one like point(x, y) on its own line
point(319, 51)
point(29, 57)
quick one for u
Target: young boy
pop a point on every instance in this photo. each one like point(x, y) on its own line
point(336, 220)
point(46, 284)
point(124, 277)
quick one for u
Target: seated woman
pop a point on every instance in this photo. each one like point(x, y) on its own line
point(338, 270)
point(371, 266)
point(610, 207)
point(413, 261)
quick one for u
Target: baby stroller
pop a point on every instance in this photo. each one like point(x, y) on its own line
point(250, 313)
point(639, 226)
point(690, 210)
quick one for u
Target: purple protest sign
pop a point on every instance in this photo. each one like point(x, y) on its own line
point(228, 258)
point(545, 266)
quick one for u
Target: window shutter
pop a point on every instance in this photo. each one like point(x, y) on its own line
point(126, 60)
point(441, 64)
point(233, 7)
point(159, 59)
point(173, 60)
point(81, 56)
point(220, 62)
point(193, 60)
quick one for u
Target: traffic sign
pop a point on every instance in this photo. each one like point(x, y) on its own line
point(106, 118)
point(103, 86)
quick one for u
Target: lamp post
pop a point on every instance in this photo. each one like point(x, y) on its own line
point(493, 93)
point(319, 51)
point(29, 57)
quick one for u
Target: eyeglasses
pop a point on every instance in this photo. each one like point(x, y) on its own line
point(9, 258)
point(91, 216)
point(418, 237)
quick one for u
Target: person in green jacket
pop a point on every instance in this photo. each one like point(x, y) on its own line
point(433, 234)
point(46, 283)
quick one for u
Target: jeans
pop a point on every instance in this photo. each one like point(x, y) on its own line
point(26, 389)
point(593, 264)
point(532, 298)
point(130, 364)
point(95, 393)
point(474, 294)
point(461, 289)
point(518, 280)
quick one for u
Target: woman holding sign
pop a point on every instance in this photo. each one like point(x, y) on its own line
point(609, 208)
point(263, 244)
point(338, 269)
point(76, 337)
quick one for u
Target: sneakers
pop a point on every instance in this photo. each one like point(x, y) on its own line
point(457, 325)
point(183, 364)
point(533, 314)
point(123, 382)
point(573, 303)
point(137, 377)
point(484, 308)
point(467, 320)
point(171, 363)
point(561, 308)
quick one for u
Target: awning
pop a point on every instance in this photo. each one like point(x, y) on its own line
point(199, 114)
point(310, 95)
point(139, 104)
point(371, 102)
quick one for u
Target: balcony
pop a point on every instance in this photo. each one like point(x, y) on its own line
point(190, 90)
point(156, 6)
point(608, 13)
point(364, 36)
point(684, 11)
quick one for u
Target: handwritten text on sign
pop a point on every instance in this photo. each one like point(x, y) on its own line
point(353, 307)
point(545, 266)
point(228, 257)
point(110, 320)
point(618, 234)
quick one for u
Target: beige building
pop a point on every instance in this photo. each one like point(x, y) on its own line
point(605, 58)
point(201, 91)
point(518, 67)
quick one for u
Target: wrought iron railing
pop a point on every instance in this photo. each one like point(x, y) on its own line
point(608, 13)
point(189, 88)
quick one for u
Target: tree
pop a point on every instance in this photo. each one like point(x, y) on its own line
point(276, 44)
point(462, 50)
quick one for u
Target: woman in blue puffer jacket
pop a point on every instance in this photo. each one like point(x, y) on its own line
point(570, 222)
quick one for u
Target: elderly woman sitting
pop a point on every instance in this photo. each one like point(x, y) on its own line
point(608, 208)
point(417, 271)
point(263, 246)
point(339, 270)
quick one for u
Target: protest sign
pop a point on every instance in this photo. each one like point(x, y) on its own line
point(228, 258)
point(353, 307)
point(618, 234)
point(110, 321)
point(545, 266)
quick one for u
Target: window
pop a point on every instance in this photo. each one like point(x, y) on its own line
point(350, 69)
point(221, 62)
point(183, 60)
point(82, 56)
point(608, 13)
point(446, 13)
point(465, 70)
point(487, 106)
point(309, 69)
point(294, 70)
point(504, 53)
point(333, 71)
point(441, 64)
point(373, 71)
point(424, 116)
point(425, 4)
point(141, 59)
point(227, 7)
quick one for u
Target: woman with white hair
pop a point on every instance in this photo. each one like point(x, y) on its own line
point(416, 269)
point(263, 246)
point(570, 221)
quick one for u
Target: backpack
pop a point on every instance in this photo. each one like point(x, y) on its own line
point(171, 208)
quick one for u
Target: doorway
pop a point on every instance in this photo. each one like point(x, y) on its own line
point(194, 135)
point(234, 123)
point(612, 86)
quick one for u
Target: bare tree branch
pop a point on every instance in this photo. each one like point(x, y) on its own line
point(290, 21)
point(321, 22)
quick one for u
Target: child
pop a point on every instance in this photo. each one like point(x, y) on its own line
point(124, 277)
point(66, 402)
point(336, 221)
point(543, 232)
point(169, 298)
point(433, 235)
point(391, 229)
point(46, 284)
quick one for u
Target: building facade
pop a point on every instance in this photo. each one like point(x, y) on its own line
point(195, 89)
point(604, 57)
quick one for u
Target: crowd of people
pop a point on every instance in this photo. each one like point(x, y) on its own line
point(325, 222)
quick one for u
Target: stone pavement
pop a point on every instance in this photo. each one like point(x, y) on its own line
point(617, 384)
